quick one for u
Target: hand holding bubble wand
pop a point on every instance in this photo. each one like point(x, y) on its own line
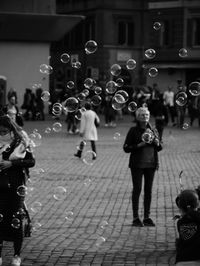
point(148, 136)
point(177, 198)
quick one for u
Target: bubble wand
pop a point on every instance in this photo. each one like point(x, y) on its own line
point(180, 180)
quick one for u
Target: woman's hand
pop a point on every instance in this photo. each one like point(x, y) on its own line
point(5, 164)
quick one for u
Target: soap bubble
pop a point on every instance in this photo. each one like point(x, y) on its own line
point(88, 83)
point(96, 100)
point(185, 126)
point(45, 96)
point(111, 87)
point(89, 157)
point(153, 72)
point(124, 94)
point(90, 47)
point(194, 88)
point(119, 82)
point(60, 193)
point(36, 207)
point(132, 106)
point(131, 64)
point(86, 92)
point(71, 104)
point(115, 70)
point(65, 58)
point(76, 65)
point(157, 25)
point(118, 102)
point(36, 226)
point(119, 98)
point(69, 215)
point(70, 84)
point(100, 241)
point(78, 114)
point(103, 224)
point(97, 90)
point(57, 127)
point(81, 96)
point(148, 136)
point(46, 69)
point(181, 98)
point(183, 52)
point(22, 191)
point(87, 182)
point(35, 139)
point(15, 223)
point(117, 136)
point(57, 109)
point(150, 53)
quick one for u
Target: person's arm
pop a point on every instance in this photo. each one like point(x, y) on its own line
point(28, 161)
point(129, 144)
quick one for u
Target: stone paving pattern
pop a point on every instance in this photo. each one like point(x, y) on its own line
point(100, 198)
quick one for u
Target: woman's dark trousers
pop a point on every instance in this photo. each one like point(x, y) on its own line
point(137, 175)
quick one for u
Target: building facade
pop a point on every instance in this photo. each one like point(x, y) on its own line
point(124, 30)
point(26, 32)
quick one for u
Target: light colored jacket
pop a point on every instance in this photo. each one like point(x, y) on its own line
point(87, 126)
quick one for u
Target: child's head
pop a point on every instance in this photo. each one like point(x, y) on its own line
point(187, 200)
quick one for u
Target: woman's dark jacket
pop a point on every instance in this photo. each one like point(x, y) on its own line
point(142, 157)
point(16, 175)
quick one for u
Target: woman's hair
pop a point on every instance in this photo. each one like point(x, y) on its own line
point(140, 110)
point(8, 123)
point(187, 200)
point(88, 106)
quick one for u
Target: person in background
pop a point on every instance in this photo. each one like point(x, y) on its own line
point(12, 110)
point(16, 159)
point(154, 98)
point(160, 114)
point(29, 104)
point(39, 108)
point(88, 130)
point(142, 142)
point(168, 98)
point(12, 92)
point(180, 109)
point(188, 227)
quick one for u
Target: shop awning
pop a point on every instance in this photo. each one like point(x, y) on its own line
point(35, 27)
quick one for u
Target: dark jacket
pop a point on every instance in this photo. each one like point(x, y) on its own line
point(145, 157)
point(188, 244)
point(16, 175)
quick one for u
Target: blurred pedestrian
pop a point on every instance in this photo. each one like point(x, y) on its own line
point(180, 109)
point(12, 92)
point(39, 107)
point(16, 159)
point(142, 142)
point(12, 110)
point(168, 98)
point(88, 130)
point(188, 227)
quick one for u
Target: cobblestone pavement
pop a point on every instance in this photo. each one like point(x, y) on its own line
point(90, 222)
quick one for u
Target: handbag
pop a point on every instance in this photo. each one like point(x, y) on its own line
point(19, 120)
point(97, 124)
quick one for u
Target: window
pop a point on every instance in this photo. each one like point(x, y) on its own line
point(165, 34)
point(90, 29)
point(196, 32)
point(125, 33)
